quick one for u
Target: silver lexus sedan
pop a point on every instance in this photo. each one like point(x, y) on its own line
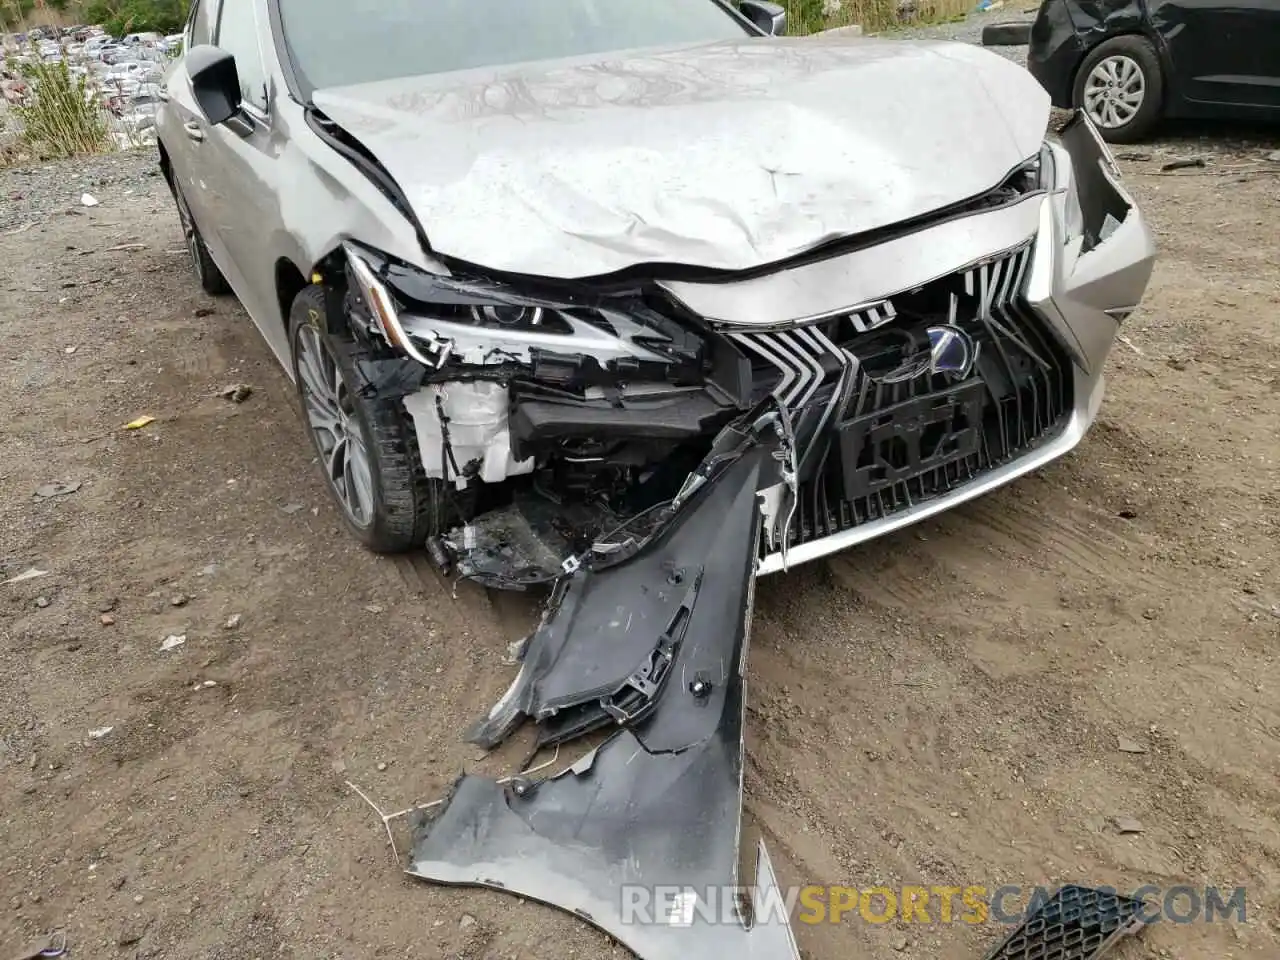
point(527, 261)
point(640, 299)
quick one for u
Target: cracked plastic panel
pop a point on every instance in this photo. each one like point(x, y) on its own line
point(659, 803)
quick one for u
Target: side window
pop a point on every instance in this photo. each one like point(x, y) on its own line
point(201, 27)
point(238, 35)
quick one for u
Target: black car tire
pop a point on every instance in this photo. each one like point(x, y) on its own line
point(1015, 34)
point(1139, 50)
point(211, 279)
point(408, 507)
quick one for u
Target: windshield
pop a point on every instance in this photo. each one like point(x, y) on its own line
point(334, 43)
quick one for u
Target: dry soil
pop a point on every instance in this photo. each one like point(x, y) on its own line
point(974, 701)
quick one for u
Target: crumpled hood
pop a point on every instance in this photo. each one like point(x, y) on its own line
point(725, 156)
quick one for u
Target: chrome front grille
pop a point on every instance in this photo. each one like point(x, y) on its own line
point(880, 425)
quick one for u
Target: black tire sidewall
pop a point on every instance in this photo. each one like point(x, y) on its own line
point(384, 533)
point(1139, 50)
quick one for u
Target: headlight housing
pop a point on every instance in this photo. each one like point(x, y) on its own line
point(1058, 177)
point(434, 318)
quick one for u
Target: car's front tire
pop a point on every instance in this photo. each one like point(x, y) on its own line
point(1120, 87)
point(366, 447)
point(211, 279)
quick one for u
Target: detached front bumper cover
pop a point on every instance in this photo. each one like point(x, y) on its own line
point(640, 837)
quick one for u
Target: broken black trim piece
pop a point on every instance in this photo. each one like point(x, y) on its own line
point(676, 416)
point(654, 645)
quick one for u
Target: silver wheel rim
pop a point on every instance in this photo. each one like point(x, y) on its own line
point(189, 234)
point(1114, 91)
point(332, 418)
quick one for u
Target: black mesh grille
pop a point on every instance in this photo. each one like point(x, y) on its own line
point(875, 439)
point(1076, 923)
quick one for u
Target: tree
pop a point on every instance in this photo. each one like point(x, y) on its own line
point(137, 16)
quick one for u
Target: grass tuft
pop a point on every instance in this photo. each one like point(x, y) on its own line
point(61, 116)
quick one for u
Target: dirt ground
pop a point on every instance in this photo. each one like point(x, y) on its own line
point(945, 706)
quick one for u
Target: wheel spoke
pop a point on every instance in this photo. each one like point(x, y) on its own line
point(315, 382)
point(320, 417)
point(339, 388)
point(359, 481)
point(330, 411)
point(336, 465)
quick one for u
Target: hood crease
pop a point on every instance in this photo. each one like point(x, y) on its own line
point(727, 156)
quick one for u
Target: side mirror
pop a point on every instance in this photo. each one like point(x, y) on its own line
point(215, 82)
point(769, 17)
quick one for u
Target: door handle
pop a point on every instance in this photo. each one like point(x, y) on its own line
point(194, 131)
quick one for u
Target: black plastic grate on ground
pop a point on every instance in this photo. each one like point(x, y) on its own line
point(1076, 923)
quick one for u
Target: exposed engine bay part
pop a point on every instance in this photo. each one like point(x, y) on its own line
point(653, 646)
point(463, 434)
point(1076, 923)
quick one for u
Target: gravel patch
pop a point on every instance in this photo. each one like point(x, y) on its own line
point(32, 193)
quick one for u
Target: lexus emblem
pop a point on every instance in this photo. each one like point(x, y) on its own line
point(951, 352)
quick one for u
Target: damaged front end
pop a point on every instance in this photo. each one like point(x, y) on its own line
point(919, 367)
point(645, 449)
point(551, 417)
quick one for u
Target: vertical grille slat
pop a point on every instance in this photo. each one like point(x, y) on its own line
point(826, 375)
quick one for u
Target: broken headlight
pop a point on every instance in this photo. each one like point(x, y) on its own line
point(1058, 177)
point(433, 318)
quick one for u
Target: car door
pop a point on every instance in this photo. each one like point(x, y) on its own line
point(243, 171)
point(1223, 51)
point(181, 126)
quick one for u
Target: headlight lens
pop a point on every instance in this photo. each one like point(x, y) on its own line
point(432, 318)
point(1048, 167)
point(510, 316)
point(399, 297)
point(1055, 168)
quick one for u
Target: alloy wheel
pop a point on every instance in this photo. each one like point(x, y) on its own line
point(189, 234)
point(1114, 91)
point(338, 433)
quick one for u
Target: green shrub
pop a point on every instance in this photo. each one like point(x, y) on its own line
point(137, 16)
point(62, 116)
point(804, 16)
